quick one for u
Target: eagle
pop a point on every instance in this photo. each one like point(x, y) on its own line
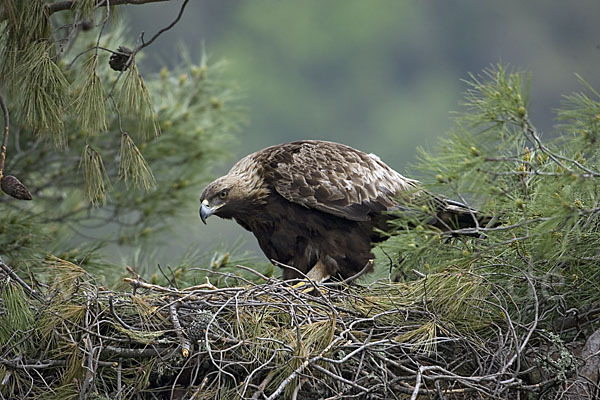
point(317, 207)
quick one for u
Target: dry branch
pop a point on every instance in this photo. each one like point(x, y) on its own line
point(4, 135)
point(271, 341)
point(57, 6)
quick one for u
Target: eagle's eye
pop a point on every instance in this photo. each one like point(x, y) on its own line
point(223, 194)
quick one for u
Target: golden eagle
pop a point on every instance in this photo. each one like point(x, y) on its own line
point(313, 206)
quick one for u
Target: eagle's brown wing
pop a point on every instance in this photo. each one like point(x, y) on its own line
point(332, 178)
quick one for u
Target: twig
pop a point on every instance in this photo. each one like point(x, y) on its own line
point(114, 314)
point(57, 6)
point(263, 384)
point(124, 352)
point(5, 137)
point(42, 364)
point(20, 281)
point(354, 277)
point(341, 379)
point(415, 392)
point(146, 44)
point(163, 30)
point(301, 368)
point(119, 378)
point(136, 284)
point(529, 128)
point(183, 341)
point(255, 272)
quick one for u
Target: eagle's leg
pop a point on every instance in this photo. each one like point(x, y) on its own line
point(317, 274)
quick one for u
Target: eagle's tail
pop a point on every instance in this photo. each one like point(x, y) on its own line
point(447, 215)
point(455, 216)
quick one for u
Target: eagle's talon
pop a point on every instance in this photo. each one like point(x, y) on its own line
point(308, 287)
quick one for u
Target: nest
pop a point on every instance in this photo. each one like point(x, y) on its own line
point(451, 335)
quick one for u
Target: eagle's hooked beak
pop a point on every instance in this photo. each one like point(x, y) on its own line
point(205, 211)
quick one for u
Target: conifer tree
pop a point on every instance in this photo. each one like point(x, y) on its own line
point(535, 265)
point(90, 139)
point(496, 311)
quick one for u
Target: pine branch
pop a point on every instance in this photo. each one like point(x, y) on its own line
point(133, 167)
point(5, 137)
point(68, 4)
point(89, 104)
point(9, 271)
point(44, 92)
point(135, 99)
point(95, 176)
point(163, 30)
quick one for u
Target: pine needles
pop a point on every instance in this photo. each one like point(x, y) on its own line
point(45, 93)
point(540, 258)
point(89, 106)
point(95, 177)
point(25, 25)
point(17, 318)
point(84, 8)
point(134, 98)
point(132, 166)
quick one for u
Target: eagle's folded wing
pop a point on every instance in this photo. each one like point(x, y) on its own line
point(334, 178)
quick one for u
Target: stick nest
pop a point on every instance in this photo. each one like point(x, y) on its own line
point(452, 335)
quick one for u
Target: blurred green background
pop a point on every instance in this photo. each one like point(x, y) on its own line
point(382, 76)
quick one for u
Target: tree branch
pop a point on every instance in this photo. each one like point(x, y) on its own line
point(183, 341)
point(5, 137)
point(64, 5)
point(166, 28)
point(30, 291)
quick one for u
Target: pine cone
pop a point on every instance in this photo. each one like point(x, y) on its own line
point(195, 329)
point(87, 24)
point(13, 187)
point(118, 61)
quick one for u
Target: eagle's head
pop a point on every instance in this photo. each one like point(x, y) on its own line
point(234, 195)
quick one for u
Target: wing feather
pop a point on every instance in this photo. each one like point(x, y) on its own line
point(332, 178)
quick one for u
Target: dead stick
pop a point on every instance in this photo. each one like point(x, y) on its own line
point(32, 292)
point(185, 343)
point(124, 352)
point(114, 314)
point(119, 379)
point(261, 276)
point(5, 138)
point(136, 283)
point(301, 368)
point(57, 6)
point(187, 292)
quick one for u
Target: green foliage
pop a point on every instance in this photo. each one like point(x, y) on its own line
point(84, 8)
point(23, 26)
point(44, 97)
point(581, 117)
point(132, 165)
point(94, 175)
point(102, 185)
point(543, 194)
point(17, 319)
point(89, 105)
point(135, 99)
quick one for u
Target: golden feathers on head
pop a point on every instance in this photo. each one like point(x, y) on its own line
point(240, 188)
